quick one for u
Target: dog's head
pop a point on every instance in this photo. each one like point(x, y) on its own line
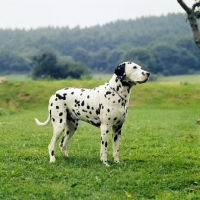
point(131, 72)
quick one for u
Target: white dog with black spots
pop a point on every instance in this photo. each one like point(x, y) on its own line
point(104, 106)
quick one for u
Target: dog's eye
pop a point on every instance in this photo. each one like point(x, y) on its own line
point(134, 67)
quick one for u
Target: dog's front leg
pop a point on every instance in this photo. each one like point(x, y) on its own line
point(116, 136)
point(104, 143)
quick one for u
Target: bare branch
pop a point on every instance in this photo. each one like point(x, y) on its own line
point(195, 5)
point(192, 19)
point(185, 7)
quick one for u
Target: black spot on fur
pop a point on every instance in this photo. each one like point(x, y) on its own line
point(106, 144)
point(61, 97)
point(120, 71)
point(82, 103)
point(61, 120)
point(98, 111)
point(60, 114)
point(77, 102)
point(94, 123)
point(107, 93)
point(61, 143)
point(51, 104)
point(57, 107)
point(118, 129)
point(115, 138)
point(52, 153)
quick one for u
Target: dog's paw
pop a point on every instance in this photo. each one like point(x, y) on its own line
point(105, 162)
point(52, 159)
point(116, 161)
point(65, 153)
point(116, 158)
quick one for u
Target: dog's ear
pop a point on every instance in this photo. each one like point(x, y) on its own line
point(120, 71)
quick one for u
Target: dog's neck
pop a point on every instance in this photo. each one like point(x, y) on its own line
point(122, 88)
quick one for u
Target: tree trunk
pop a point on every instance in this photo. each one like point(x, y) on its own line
point(193, 22)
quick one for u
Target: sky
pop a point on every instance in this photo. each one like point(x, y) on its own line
point(34, 14)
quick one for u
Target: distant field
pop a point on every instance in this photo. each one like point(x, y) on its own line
point(181, 79)
point(18, 77)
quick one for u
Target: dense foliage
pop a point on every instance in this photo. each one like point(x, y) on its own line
point(46, 65)
point(161, 45)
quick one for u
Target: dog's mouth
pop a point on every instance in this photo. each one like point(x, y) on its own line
point(140, 82)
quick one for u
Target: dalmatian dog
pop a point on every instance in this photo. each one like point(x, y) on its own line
point(104, 106)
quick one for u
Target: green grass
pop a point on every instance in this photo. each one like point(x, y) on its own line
point(19, 95)
point(159, 154)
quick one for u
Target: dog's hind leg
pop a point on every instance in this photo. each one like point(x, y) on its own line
point(116, 136)
point(58, 128)
point(70, 130)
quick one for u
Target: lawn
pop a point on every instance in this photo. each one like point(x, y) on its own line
point(159, 154)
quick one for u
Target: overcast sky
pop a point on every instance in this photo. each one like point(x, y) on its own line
point(85, 13)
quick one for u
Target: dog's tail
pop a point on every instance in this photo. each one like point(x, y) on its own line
point(42, 123)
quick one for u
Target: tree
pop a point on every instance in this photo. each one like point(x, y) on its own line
point(12, 63)
point(46, 65)
point(193, 14)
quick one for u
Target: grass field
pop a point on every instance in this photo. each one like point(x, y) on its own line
point(159, 147)
point(159, 152)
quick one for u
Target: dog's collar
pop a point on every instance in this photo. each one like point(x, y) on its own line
point(122, 98)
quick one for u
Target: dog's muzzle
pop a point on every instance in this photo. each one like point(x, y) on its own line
point(147, 74)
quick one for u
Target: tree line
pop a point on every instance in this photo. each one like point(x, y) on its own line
point(161, 45)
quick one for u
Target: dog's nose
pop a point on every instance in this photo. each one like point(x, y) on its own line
point(148, 74)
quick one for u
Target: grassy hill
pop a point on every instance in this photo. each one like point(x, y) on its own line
point(20, 95)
